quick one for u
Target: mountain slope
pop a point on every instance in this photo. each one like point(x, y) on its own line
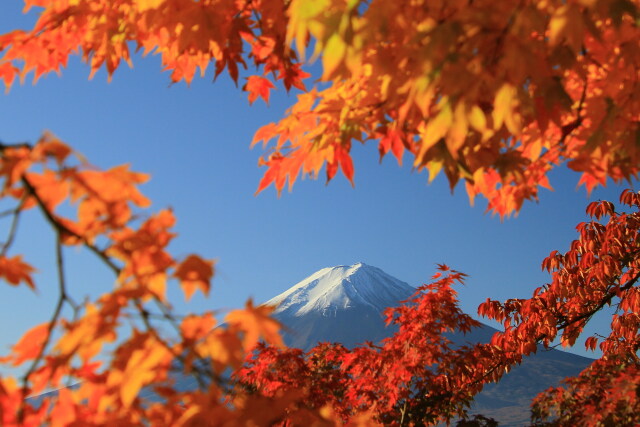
point(344, 304)
point(339, 304)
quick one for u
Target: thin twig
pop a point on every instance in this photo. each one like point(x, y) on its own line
point(13, 228)
point(64, 229)
point(62, 297)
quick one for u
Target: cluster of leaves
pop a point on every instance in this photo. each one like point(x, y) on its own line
point(494, 95)
point(607, 393)
point(601, 269)
point(95, 209)
point(417, 377)
point(187, 34)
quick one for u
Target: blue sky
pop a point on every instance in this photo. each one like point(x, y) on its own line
point(194, 141)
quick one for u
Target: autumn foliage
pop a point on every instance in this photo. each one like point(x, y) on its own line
point(493, 94)
point(417, 376)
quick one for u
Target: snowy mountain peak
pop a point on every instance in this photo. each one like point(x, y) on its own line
point(343, 287)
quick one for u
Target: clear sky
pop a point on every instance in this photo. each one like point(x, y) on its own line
point(194, 141)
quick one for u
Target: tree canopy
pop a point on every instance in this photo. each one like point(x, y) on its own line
point(492, 94)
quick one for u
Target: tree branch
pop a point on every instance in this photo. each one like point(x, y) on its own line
point(13, 228)
point(62, 297)
point(64, 229)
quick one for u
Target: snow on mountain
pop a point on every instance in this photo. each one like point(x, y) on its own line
point(339, 304)
point(341, 288)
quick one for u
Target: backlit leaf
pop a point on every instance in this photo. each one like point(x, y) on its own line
point(15, 271)
point(256, 322)
point(30, 344)
point(195, 273)
point(258, 87)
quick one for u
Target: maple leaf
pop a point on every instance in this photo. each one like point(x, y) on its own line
point(225, 349)
point(258, 86)
point(145, 356)
point(50, 188)
point(30, 344)
point(196, 327)
point(145, 5)
point(195, 273)
point(49, 145)
point(15, 271)
point(255, 322)
point(8, 73)
point(64, 413)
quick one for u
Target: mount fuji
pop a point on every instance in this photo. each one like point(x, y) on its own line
point(345, 303)
point(339, 304)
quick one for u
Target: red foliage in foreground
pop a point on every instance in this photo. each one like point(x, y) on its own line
point(418, 377)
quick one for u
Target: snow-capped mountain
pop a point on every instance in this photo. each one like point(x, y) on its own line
point(344, 304)
point(339, 304)
point(341, 288)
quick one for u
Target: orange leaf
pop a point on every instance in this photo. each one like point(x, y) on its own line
point(346, 164)
point(256, 322)
point(30, 344)
point(8, 74)
point(49, 145)
point(143, 365)
point(14, 271)
point(224, 348)
point(64, 411)
point(195, 272)
point(195, 327)
point(265, 133)
point(50, 188)
point(258, 86)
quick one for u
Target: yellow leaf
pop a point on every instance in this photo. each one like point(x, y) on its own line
point(157, 284)
point(477, 119)
point(142, 367)
point(503, 104)
point(301, 12)
point(144, 5)
point(333, 55)
point(567, 24)
point(534, 149)
point(458, 132)
point(434, 167)
point(224, 348)
point(557, 24)
point(435, 130)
